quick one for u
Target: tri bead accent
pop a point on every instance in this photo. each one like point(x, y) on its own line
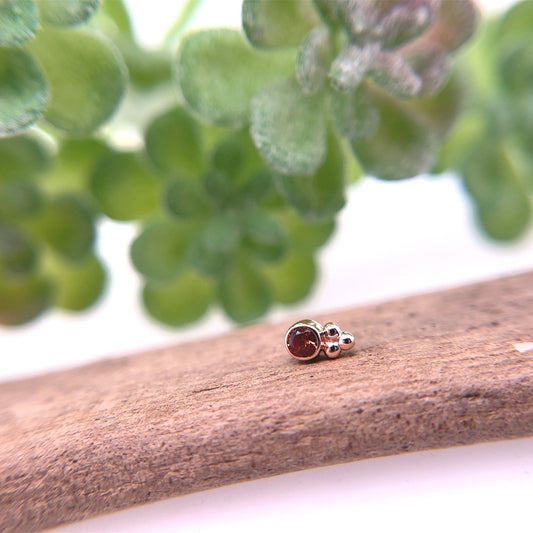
point(306, 339)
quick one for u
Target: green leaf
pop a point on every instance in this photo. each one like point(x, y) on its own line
point(355, 114)
point(174, 143)
point(19, 198)
point(124, 186)
point(291, 279)
point(23, 299)
point(441, 110)
point(462, 140)
point(236, 158)
point(146, 68)
point(264, 236)
point(159, 252)
point(303, 235)
point(288, 127)
point(515, 66)
point(493, 178)
point(314, 58)
point(244, 292)
point(78, 284)
point(220, 188)
point(18, 22)
point(118, 13)
point(87, 77)
point(212, 249)
point(75, 160)
point(321, 195)
point(179, 302)
point(273, 24)
point(403, 146)
point(186, 199)
point(259, 185)
point(516, 23)
point(327, 9)
point(23, 91)
point(218, 73)
point(505, 216)
point(66, 225)
point(18, 255)
point(66, 12)
point(23, 155)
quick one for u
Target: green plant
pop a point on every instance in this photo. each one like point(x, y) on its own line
point(237, 187)
point(490, 146)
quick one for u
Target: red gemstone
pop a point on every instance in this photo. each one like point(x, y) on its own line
point(303, 342)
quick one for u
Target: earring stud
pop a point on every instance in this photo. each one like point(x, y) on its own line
point(305, 340)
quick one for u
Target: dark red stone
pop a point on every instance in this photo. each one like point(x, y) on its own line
point(303, 342)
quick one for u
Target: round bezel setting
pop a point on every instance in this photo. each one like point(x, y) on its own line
point(303, 340)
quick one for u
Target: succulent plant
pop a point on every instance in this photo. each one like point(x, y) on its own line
point(369, 68)
point(491, 145)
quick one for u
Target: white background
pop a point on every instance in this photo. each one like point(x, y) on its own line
point(403, 238)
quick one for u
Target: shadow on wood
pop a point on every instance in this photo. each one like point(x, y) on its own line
point(429, 371)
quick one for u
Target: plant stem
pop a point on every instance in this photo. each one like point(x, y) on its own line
point(183, 18)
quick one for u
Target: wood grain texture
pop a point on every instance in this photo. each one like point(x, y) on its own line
point(429, 371)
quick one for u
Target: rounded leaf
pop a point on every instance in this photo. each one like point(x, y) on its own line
point(264, 236)
point(212, 249)
point(23, 155)
point(116, 10)
point(292, 278)
point(244, 292)
point(516, 69)
point(174, 143)
point(66, 12)
point(272, 24)
point(180, 301)
point(516, 23)
point(78, 284)
point(19, 198)
point(351, 65)
point(507, 215)
point(404, 20)
point(18, 22)
point(304, 235)
point(403, 146)
point(391, 71)
point(288, 127)
point(355, 114)
point(87, 77)
point(431, 64)
point(493, 178)
point(74, 163)
point(321, 195)
point(24, 91)
point(67, 226)
point(314, 58)
point(23, 299)
point(456, 22)
point(159, 252)
point(218, 73)
point(124, 187)
point(186, 199)
point(18, 255)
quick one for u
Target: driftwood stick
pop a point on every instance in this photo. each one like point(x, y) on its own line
point(430, 371)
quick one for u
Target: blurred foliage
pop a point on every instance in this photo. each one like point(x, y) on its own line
point(235, 188)
point(491, 144)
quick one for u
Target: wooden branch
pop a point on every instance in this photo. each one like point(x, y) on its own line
point(430, 371)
